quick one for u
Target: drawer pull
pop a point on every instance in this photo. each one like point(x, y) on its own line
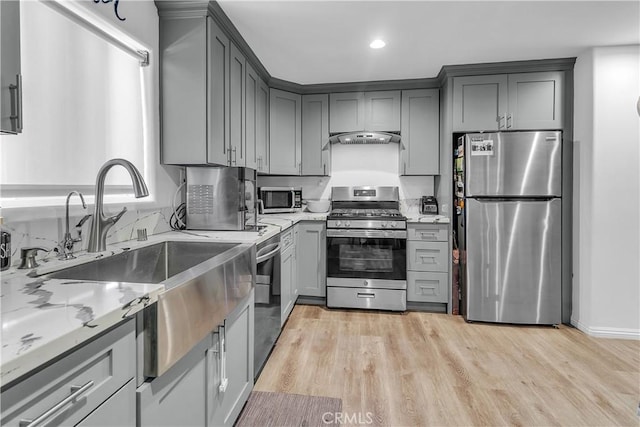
point(76, 392)
point(428, 235)
point(363, 295)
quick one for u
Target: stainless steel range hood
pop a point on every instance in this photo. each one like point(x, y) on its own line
point(364, 138)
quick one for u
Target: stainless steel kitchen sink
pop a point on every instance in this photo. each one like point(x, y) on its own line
point(204, 282)
point(150, 264)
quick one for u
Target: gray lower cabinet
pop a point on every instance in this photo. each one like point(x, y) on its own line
point(209, 386)
point(285, 133)
point(315, 135)
point(420, 146)
point(428, 263)
point(229, 366)
point(119, 410)
point(520, 101)
point(312, 258)
point(288, 272)
point(178, 397)
point(10, 77)
point(75, 386)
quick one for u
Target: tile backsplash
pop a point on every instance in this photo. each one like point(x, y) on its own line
point(49, 232)
point(358, 165)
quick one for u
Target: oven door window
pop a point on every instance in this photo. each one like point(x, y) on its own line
point(277, 199)
point(367, 258)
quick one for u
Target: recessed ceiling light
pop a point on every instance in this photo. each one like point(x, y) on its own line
point(377, 44)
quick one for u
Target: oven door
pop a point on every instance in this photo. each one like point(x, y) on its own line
point(366, 254)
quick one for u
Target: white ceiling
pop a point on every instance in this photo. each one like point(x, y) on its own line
point(308, 42)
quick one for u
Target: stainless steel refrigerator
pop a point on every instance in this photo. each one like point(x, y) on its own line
point(509, 188)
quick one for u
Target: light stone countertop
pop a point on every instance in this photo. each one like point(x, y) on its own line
point(43, 318)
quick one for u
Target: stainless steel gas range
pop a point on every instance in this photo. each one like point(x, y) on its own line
point(366, 249)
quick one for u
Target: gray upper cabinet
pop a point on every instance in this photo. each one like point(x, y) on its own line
point(252, 83)
point(237, 69)
point(371, 111)
point(262, 127)
point(315, 135)
point(10, 77)
point(346, 112)
point(420, 146)
point(382, 111)
point(479, 102)
point(195, 92)
point(218, 96)
point(535, 100)
point(508, 102)
point(285, 134)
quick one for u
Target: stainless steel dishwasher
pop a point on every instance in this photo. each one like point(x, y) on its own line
point(267, 300)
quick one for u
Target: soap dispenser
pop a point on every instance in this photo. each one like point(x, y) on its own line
point(5, 250)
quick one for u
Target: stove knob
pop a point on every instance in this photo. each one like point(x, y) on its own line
point(392, 224)
point(347, 224)
point(384, 224)
point(338, 223)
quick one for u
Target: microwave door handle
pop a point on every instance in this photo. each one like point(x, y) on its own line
point(293, 199)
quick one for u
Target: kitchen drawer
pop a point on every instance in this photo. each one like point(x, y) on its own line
point(425, 286)
point(375, 299)
point(427, 233)
point(119, 410)
point(98, 369)
point(428, 256)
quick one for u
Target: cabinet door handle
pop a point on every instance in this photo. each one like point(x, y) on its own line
point(426, 235)
point(509, 121)
point(76, 392)
point(235, 155)
point(324, 169)
point(500, 119)
point(16, 104)
point(224, 381)
point(366, 295)
point(405, 168)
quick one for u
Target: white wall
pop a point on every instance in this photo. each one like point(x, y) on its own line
point(606, 284)
point(44, 225)
point(359, 165)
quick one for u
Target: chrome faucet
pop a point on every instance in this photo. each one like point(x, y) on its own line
point(68, 241)
point(101, 224)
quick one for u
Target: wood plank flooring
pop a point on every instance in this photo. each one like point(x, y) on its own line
point(427, 369)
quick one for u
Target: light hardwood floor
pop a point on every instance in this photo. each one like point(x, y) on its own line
point(424, 369)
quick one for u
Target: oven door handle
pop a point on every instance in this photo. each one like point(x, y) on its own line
point(374, 234)
point(260, 258)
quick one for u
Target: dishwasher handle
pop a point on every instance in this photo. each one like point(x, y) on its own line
point(272, 249)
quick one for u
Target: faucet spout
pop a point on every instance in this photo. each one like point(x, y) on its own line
point(100, 223)
point(68, 241)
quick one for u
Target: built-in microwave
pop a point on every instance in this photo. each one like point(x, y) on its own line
point(280, 199)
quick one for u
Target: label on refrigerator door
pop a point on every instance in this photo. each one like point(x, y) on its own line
point(482, 147)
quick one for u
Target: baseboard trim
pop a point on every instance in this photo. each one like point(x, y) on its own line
point(605, 332)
